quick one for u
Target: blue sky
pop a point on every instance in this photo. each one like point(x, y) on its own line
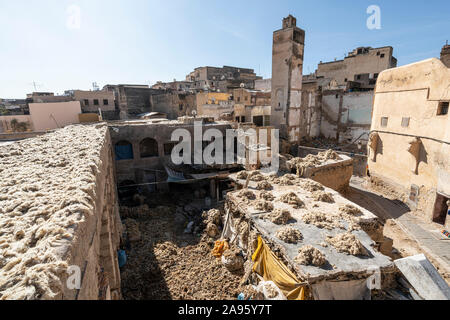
point(139, 41)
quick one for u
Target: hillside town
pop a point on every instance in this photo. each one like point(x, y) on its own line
point(337, 188)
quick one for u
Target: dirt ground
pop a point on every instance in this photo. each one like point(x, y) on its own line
point(167, 264)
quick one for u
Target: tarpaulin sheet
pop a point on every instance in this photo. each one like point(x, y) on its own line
point(270, 268)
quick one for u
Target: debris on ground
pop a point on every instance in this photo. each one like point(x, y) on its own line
point(134, 212)
point(292, 199)
point(323, 196)
point(308, 255)
point(263, 205)
point(289, 235)
point(347, 243)
point(166, 263)
point(132, 228)
point(264, 185)
point(322, 220)
point(233, 260)
point(279, 216)
point(266, 195)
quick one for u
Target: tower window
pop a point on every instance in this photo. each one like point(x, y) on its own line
point(384, 121)
point(405, 122)
point(443, 108)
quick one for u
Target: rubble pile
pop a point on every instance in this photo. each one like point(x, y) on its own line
point(134, 212)
point(347, 243)
point(233, 260)
point(292, 199)
point(132, 230)
point(322, 220)
point(289, 235)
point(169, 264)
point(308, 255)
point(279, 216)
point(323, 196)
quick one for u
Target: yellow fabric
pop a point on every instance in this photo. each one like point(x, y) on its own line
point(219, 248)
point(270, 268)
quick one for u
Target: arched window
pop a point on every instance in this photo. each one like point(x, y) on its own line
point(124, 150)
point(148, 148)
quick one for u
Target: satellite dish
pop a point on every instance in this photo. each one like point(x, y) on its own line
point(194, 113)
point(242, 85)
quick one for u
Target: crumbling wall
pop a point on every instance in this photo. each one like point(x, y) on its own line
point(59, 217)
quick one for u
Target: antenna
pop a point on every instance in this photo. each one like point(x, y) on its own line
point(95, 86)
point(35, 85)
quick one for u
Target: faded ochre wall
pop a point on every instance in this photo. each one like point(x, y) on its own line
point(5, 122)
point(44, 115)
point(413, 91)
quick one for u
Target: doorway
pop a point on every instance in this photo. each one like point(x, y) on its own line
point(441, 209)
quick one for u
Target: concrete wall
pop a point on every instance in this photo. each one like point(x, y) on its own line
point(346, 116)
point(415, 92)
point(5, 122)
point(47, 116)
point(174, 104)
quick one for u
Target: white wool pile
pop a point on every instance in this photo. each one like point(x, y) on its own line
point(47, 188)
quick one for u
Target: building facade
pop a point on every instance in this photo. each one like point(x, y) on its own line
point(410, 136)
point(287, 68)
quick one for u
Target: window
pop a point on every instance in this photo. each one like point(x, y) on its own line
point(148, 148)
point(443, 108)
point(258, 121)
point(96, 103)
point(376, 75)
point(124, 150)
point(358, 77)
point(237, 119)
point(384, 122)
point(105, 102)
point(346, 80)
point(181, 106)
point(378, 53)
point(405, 122)
point(242, 119)
point(382, 56)
point(239, 99)
point(86, 102)
point(267, 121)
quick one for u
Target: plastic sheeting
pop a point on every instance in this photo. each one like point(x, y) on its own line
point(270, 268)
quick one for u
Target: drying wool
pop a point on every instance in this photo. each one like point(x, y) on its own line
point(311, 186)
point(322, 220)
point(323, 196)
point(289, 235)
point(242, 175)
point(347, 243)
point(263, 205)
point(264, 185)
point(279, 216)
point(293, 200)
point(266, 195)
point(246, 195)
point(308, 255)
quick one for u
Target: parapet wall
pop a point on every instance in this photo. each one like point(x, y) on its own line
point(59, 214)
